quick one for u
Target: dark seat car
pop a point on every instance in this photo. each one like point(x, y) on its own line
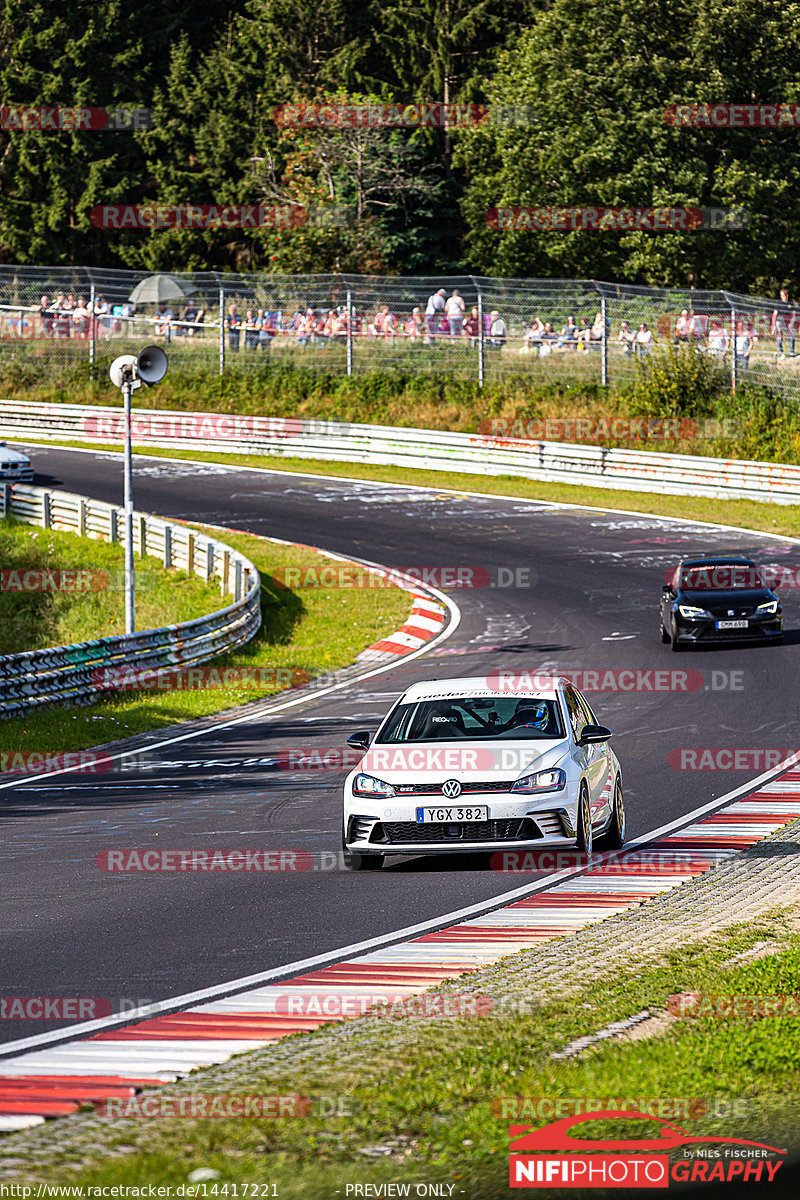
point(712, 600)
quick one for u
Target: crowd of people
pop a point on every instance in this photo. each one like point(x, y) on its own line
point(445, 319)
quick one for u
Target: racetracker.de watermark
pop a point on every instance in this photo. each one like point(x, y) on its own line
point(534, 219)
point(730, 758)
point(194, 1106)
point(633, 862)
point(47, 118)
point(733, 116)
point(145, 861)
point(668, 1108)
point(40, 762)
point(720, 1005)
point(188, 679)
point(447, 577)
point(217, 216)
point(53, 1008)
point(619, 679)
point(587, 429)
point(402, 116)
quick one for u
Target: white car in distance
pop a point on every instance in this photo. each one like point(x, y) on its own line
point(470, 765)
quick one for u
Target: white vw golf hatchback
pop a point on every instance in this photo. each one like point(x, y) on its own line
point(464, 765)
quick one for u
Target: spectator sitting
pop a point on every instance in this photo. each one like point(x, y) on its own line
point(683, 328)
point(497, 330)
point(582, 340)
point(81, 318)
point(454, 311)
point(644, 339)
point(569, 334)
point(199, 321)
point(375, 327)
point(697, 333)
point(472, 327)
point(627, 338)
point(63, 312)
point(340, 324)
point(717, 339)
point(163, 319)
point(598, 329)
point(533, 337)
point(414, 327)
point(189, 315)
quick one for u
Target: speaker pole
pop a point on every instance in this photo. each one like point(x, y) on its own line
point(130, 594)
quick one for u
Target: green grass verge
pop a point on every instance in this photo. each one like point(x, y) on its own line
point(307, 632)
point(431, 1090)
point(92, 603)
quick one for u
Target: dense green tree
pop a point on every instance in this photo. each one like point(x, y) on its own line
point(599, 77)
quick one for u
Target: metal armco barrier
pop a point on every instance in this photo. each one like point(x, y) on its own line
point(78, 673)
point(425, 449)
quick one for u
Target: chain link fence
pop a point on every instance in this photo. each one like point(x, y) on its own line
point(61, 324)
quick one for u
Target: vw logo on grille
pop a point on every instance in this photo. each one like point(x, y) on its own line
point(451, 788)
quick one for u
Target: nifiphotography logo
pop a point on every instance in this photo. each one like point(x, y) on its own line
point(552, 1157)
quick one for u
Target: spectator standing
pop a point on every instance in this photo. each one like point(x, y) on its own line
point(784, 317)
point(433, 311)
point(264, 331)
point(46, 317)
point(743, 344)
point(454, 311)
point(233, 324)
point(251, 330)
point(717, 339)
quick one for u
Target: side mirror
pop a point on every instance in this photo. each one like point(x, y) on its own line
point(594, 733)
point(360, 740)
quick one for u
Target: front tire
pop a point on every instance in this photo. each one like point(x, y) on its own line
point(614, 836)
point(583, 841)
point(675, 645)
point(665, 638)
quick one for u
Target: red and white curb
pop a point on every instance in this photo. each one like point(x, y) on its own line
point(121, 1061)
point(426, 620)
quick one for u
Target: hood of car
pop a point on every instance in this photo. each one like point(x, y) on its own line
point(469, 762)
point(732, 598)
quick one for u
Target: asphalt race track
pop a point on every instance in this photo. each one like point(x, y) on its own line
point(590, 586)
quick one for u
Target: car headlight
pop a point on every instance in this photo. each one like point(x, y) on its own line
point(770, 606)
point(367, 785)
point(541, 781)
point(688, 610)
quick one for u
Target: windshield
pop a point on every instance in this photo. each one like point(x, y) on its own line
point(721, 577)
point(477, 719)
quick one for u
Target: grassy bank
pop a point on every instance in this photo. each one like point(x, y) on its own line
point(680, 387)
point(83, 590)
point(431, 1100)
point(304, 633)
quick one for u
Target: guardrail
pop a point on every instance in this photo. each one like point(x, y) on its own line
point(77, 673)
point(424, 449)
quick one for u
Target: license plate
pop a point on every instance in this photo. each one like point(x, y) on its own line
point(443, 816)
point(731, 624)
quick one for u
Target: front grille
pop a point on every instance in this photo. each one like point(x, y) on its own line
point(510, 830)
point(435, 789)
point(728, 613)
